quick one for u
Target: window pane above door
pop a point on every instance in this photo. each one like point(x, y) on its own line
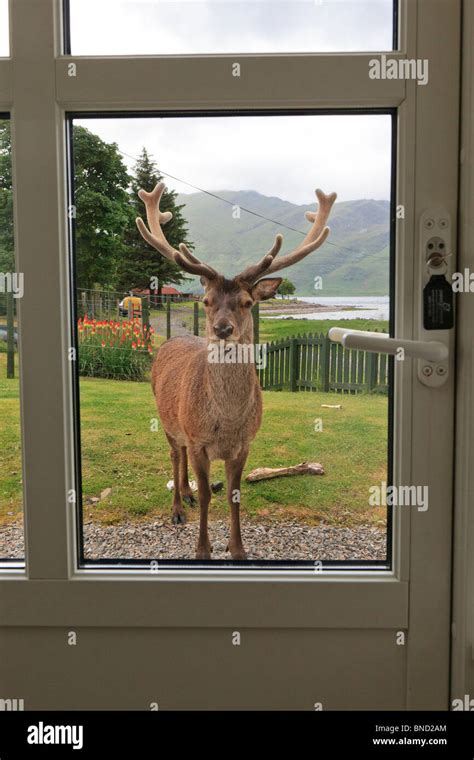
point(4, 35)
point(191, 27)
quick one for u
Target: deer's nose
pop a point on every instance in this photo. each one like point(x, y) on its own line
point(223, 329)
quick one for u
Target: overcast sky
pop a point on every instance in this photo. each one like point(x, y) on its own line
point(119, 27)
point(4, 44)
point(283, 156)
point(229, 26)
point(286, 156)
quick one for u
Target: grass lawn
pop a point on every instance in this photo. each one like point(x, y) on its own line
point(10, 446)
point(278, 329)
point(120, 451)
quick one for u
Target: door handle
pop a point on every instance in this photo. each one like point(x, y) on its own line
point(429, 350)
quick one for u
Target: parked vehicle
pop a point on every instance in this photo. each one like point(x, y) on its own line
point(132, 304)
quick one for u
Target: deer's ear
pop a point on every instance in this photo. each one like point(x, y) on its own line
point(266, 288)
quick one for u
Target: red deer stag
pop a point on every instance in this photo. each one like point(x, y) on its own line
point(213, 410)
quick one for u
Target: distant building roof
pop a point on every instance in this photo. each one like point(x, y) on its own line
point(168, 290)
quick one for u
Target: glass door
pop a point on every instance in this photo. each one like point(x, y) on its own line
point(341, 592)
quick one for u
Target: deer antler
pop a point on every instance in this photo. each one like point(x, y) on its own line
point(313, 240)
point(155, 237)
point(254, 271)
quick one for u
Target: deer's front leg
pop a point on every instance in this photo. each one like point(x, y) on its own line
point(201, 466)
point(184, 487)
point(179, 515)
point(234, 469)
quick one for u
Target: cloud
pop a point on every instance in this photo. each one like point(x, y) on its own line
point(158, 27)
point(4, 36)
point(286, 156)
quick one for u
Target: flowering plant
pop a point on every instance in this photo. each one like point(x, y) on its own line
point(112, 349)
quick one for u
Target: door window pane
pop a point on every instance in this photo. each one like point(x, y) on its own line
point(11, 291)
point(233, 183)
point(184, 27)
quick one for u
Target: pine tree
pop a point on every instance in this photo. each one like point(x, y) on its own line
point(141, 263)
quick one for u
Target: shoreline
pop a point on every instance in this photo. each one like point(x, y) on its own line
point(299, 308)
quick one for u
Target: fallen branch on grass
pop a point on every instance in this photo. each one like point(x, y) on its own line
point(304, 468)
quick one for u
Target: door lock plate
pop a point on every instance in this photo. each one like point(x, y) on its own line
point(435, 249)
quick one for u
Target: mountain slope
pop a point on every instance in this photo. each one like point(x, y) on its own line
point(230, 243)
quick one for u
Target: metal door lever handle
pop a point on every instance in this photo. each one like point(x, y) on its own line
point(429, 350)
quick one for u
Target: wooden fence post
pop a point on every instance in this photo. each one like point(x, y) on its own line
point(10, 336)
point(196, 318)
point(325, 363)
point(293, 365)
point(256, 323)
point(168, 318)
point(371, 370)
point(145, 315)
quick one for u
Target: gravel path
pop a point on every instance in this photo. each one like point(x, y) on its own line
point(272, 540)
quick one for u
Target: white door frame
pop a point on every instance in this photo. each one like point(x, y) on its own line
point(463, 577)
point(35, 86)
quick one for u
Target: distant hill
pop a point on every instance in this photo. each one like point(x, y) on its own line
point(229, 244)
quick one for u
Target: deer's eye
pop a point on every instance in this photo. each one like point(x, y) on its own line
point(247, 304)
point(205, 301)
